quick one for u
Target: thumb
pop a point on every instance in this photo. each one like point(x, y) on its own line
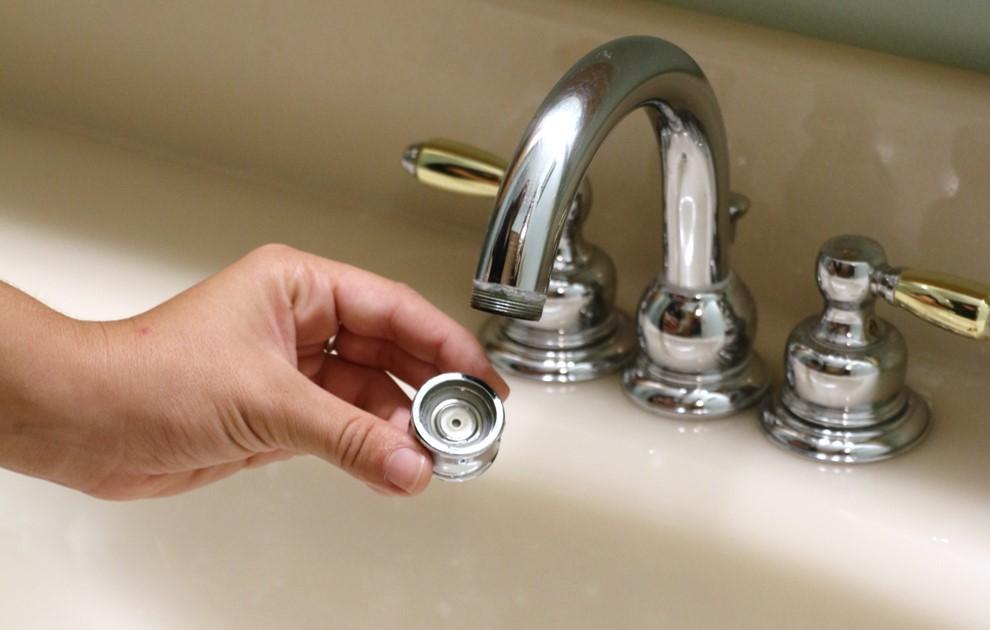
point(364, 445)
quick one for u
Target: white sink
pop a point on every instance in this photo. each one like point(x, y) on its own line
point(298, 546)
point(595, 514)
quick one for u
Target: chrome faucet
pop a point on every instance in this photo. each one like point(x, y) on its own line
point(697, 321)
point(581, 334)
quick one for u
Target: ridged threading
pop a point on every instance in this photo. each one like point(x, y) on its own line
point(499, 303)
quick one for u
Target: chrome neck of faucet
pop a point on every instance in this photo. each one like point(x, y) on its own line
point(544, 174)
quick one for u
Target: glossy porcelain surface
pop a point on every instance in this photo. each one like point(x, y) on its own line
point(595, 514)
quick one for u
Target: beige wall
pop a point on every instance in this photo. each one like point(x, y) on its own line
point(953, 33)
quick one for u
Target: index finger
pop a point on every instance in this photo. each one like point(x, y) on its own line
point(372, 306)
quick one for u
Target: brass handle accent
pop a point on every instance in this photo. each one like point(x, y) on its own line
point(455, 167)
point(955, 304)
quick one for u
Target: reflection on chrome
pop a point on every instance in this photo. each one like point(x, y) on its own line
point(581, 334)
point(845, 400)
point(697, 322)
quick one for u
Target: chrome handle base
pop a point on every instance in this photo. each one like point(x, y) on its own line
point(884, 437)
point(505, 341)
point(845, 400)
point(845, 406)
point(697, 360)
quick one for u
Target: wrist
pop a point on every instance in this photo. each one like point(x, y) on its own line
point(53, 392)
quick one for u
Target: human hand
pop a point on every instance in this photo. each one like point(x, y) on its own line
point(233, 373)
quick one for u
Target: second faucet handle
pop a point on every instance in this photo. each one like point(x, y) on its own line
point(845, 398)
point(455, 167)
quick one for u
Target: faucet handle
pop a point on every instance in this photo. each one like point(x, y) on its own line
point(955, 304)
point(462, 168)
point(853, 269)
point(455, 167)
point(845, 399)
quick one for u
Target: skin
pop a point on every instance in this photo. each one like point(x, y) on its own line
point(230, 374)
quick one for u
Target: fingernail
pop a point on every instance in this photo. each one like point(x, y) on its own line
point(406, 469)
point(504, 387)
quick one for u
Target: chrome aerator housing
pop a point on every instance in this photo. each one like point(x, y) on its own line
point(459, 419)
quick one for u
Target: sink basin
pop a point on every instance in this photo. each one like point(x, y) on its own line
point(595, 514)
point(298, 545)
point(144, 146)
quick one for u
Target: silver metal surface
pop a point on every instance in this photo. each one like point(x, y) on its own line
point(901, 431)
point(459, 419)
point(580, 335)
point(566, 364)
point(845, 399)
point(697, 323)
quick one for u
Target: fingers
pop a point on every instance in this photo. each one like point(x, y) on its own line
point(327, 295)
point(366, 388)
point(371, 306)
point(309, 359)
point(373, 391)
point(400, 418)
point(315, 421)
point(383, 355)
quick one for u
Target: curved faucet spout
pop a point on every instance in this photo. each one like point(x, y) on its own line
point(565, 133)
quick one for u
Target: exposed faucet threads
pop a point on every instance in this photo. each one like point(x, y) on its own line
point(502, 300)
point(459, 419)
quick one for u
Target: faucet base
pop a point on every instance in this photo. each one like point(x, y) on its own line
point(571, 362)
point(890, 434)
point(680, 395)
